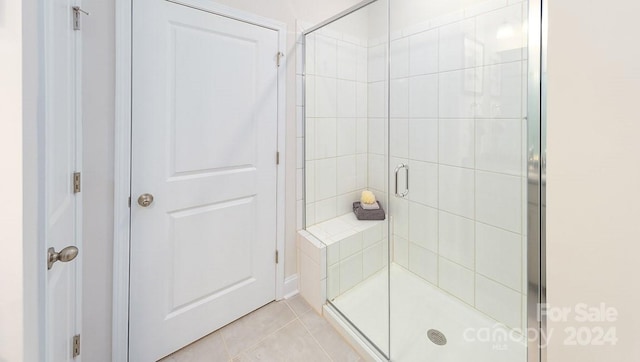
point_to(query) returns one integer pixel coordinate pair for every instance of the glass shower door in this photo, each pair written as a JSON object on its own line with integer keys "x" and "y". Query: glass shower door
{"x": 346, "y": 125}
{"x": 457, "y": 176}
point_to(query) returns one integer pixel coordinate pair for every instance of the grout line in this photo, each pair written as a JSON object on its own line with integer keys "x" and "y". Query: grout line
{"x": 315, "y": 339}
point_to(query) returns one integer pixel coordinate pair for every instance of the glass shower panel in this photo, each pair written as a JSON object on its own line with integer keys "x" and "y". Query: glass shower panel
{"x": 457, "y": 145}
{"x": 346, "y": 153}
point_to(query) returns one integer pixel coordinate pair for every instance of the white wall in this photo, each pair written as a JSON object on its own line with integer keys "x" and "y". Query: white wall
{"x": 11, "y": 299}
{"x": 19, "y": 106}
{"x": 98, "y": 117}
{"x": 593, "y": 235}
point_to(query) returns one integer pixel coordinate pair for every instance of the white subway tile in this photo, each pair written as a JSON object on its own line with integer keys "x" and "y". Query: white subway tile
{"x": 377, "y": 172}
{"x": 346, "y": 98}
{"x": 423, "y": 139}
{"x": 456, "y": 94}
{"x": 347, "y": 60}
{"x": 326, "y": 99}
{"x": 362, "y": 135}
{"x": 350, "y": 246}
{"x": 372, "y": 260}
{"x": 400, "y": 209}
{"x": 499, "y": 200}
{"x": 377, "y": 63}
{"x": 499, "y": 302}
{"x": 361, "y": 99}
{"x": 325, "y": 178}
{"x": 377, "y": 139}
{"x": 456, "y": 143}
{"x": 501, "y": 34}
{"x": 326, "y": 56}
{"x": 325, "y": 140}
{"x": 423, "y": 53}
{"x": 372, "y": 235}
{"x": 361, "y": 171}
{"x": 423, "y": 96}
{"x": 325, "y": 210}
{"x": 310, "y": 179}
{"x": 423, "y": 183}
{"x": 456, "y": 190}
{"x": 346, "y": 174}
{"x": 399, "y": 100}
{"x": 501, "y": 91}
{"x": 456, "y": 46}
{"x": 456, "y": 280}
{"x": 362, "y": 64}
{"x": 333, "y": 253}
{"x": 499, "y": 255}
{"x": 344, "y": 202}
{"x": 399, "y": 132}
{"x": 350, "y": 272}
{"x": 423, "y": 262}
{"x": 376, "y": 99}
{"x": 499, "y": 145}
{"x": 456, "y": 239}
{"x": 346, "y": 136}
{"x": 310, "y": 96}
{"x": 423, "y": 226}
{"x": 401, "y": 251}
{"x": 399, "y": 66}
{"x": 310, "y": 214}
{"x": 333, "y": 281}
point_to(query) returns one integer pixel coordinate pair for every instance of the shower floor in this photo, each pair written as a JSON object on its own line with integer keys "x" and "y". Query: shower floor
{"x": 418, "y": 306}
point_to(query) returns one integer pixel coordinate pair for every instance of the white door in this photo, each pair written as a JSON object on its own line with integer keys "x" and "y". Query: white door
{"x": 61, "y": 161}
{"x": 204, "y": 142}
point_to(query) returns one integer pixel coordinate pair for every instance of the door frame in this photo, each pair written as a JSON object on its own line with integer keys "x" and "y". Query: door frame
{"x": 122, "y": 159}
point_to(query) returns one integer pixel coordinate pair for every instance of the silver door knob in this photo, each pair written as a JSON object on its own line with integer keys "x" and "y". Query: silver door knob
{"x": 145, "y": 200}
{"x": 65, "y": 255}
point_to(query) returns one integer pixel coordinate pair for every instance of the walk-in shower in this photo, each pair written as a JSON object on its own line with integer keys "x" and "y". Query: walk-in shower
{"x": 434, "y": 106}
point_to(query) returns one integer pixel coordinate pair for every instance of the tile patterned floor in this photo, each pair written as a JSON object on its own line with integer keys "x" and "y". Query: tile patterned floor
{"x": 287, "y": 330}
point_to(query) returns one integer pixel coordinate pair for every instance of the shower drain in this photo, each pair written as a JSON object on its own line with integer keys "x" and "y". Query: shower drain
{"x": 436, "y": 337}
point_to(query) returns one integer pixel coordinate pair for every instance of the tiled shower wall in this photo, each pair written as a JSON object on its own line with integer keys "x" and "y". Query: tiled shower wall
{"x": 336, "y": 124}
{"x": 458, "y": 102}
{"x": 457, "y": 107}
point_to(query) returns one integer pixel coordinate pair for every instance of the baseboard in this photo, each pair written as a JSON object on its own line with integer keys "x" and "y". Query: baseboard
{"x": 290, "y": 286}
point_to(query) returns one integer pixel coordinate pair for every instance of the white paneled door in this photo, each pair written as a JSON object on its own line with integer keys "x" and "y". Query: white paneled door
{"x": 61, "y": 161}
{"x": 203, "y": 175}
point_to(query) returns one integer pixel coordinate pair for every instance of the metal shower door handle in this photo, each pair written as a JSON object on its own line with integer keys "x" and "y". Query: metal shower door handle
{"x": 406, "y": 188}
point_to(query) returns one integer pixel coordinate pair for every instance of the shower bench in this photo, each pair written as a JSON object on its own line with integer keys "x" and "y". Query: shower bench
{"x": 337, "y": 254}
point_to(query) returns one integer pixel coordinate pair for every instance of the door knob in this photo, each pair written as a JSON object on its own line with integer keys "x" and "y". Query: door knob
{"x": 145, "y": 200}
{"x": 65, "y": 255}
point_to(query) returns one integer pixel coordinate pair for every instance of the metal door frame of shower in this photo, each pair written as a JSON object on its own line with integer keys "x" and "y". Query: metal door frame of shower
{"x": 536, "y": 171}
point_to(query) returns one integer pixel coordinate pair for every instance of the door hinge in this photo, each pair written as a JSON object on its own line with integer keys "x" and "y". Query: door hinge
{"x": 76, "y": 16}
{"x": 279, "y": 56}
{"x": 277, "y": 158}
{"x": 76, "y": 182}
{"x": 277, "y": 259}
{"x": 129, "y": 202}
{"x": 76, "y": 345}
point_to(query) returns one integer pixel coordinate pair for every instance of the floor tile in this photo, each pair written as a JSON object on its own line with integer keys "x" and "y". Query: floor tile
{"x": 298, "y": 305}
{"x": 250, "y": 329}
{"x": 208, "y": 349}
{"x": 291, "y": 343}
{"x": 329, "y": 339}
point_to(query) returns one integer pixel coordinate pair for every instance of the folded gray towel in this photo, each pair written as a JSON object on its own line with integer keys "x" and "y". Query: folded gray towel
{"x": 363, "y": 214}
